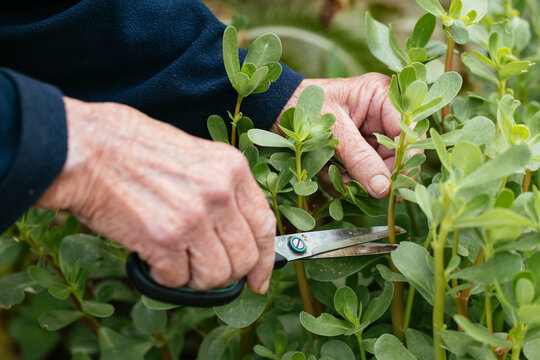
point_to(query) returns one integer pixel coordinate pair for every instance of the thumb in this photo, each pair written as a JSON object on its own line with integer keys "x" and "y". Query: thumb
{"x": 363, "y": 163}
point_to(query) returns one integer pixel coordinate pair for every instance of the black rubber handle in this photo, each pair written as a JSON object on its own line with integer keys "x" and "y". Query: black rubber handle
{"x": 138, "y": 272}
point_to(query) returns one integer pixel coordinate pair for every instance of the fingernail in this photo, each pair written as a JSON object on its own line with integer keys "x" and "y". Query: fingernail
{"x": 379, "y": 184}
{"x": 264, "y": 287}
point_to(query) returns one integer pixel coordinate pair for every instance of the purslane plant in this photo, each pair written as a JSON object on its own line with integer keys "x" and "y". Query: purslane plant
{"x": 472, "y": 211}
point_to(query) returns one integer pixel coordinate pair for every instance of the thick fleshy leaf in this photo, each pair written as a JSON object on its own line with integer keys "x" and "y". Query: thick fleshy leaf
{"x": 497, "y": 217}
{"x": 416, "y": 264}
{"x": 217, "y": 128}
{"x": 480, "y": 333}
{"x": 315, "y": 160}
{"x": 467, "y": 157}
{"x": 388, "y": 347}
{"x": 338, "y": 268}
{"x": 422, "y": 31}
{"x": 502, "y": 267}
{"x": 244, "y": 310}
{"x": 336, "y": 210}
{"x": 215, "y": 343}
{"x": 263, "y": 50}
{"x": 98, "y": 309}
{"x": 511, "y": 161}
{"x": 230, "y": 53}
{"x": 57, "y": 319}
{"x": 478, "y": 69}
{"x": 346, "y": 304}
{"x": 432, "y": 7}
{"x": 267, "y": 138}
{"x": 447, "y": 86}
{"x": 378, "y": 306}
{"x": 13, "y": 288}
{"x": 336, "y": 350}
{"x": 479, "y": 131}
{"x": 419, "y": 344}
{"x": 459, "y": 32}
{"x": 298, "y": 217}
{"x": 325, "y": 325}
{"x": 305, "y": 187}
{"x": 377, "y": 36}
{"x": 311, "y": 100}
{"x": 337, "y": 180}
{"x": 148, "y": 321}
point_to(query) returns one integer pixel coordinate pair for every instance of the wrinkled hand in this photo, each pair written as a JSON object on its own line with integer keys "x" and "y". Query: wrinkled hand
{"x": 189, "y": 207}
{"x": 362, "y": 108}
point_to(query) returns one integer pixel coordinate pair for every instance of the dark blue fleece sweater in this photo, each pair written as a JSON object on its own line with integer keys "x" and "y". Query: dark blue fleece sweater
{"x": 161, "y": 57}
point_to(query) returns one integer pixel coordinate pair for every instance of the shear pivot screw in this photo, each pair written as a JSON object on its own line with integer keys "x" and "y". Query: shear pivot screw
{"x": 297, "y": 244}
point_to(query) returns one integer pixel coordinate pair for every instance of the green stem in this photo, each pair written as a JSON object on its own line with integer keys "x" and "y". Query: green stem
{"x": 448, "y": 64}
{"x": 502, "y": 88}
{"x": 412, "y": 289}
{"x": 440, "y": 290}
{"x": 164, "y": 349}
{"x": 325, "y": 206}
{"x": 408, "y": 307}
{"x": 455, "y": 252}
{"x": 359, "y": 338}
{"x": 247, "y": 338}
{"x": 397, "y": 305}
{"x": 489, "y": 318}
{"x": 527, "y": 181}
{"x": 517, "y": 340}
{"x": 278, "y": 215}
{"x": 236, "y": 117}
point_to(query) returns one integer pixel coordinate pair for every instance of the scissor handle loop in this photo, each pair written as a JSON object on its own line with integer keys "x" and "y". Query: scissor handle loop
{"x": 138, "y": 272}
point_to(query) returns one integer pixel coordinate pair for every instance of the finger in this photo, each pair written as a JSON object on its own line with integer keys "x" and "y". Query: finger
{"x": 361, "y": 160}
{"x": 238, "y": 240}
{"x": 255, "y": 209}
{"x": 208, "y": 261}
{"x": 170, "y": 271}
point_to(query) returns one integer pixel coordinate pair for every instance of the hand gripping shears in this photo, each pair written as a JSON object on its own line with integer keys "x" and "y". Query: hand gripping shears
{"x": 302, "y": 246}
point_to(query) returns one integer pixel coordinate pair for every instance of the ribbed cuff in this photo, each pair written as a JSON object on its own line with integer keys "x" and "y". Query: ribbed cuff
{"x": 42, "y": 147}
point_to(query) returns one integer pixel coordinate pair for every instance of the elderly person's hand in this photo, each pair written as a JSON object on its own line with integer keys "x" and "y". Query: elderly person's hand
{"x": 189, "y": 207}
{"x": 362, "y": 108}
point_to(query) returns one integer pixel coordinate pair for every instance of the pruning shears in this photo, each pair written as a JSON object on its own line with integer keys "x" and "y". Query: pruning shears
{"x": 326, "y": 244}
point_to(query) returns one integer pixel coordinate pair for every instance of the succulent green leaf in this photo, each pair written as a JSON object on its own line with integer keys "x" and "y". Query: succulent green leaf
{"x": 298, "y": 217}
{"x": 244, "y": 310}
{"x": 432, "y": 7}
{"x": 479, "y": 131}
{"x": 455, "y": 9}
{"x": 497, "y": 217}
{"x": 336, "y": 350}
{"x": 446, "y": 86}
{"x": 217, "y": 128}
{"x": 336, "y": 210}
{"x": 337, "y": 180}
{"x": 53, "y": 320}
{"x": 406, "y": 77}
{"x": 415, "y": 263}
{"x": 394, "y": 94}
{"x": 97, "y": 309}
{"x": 441, "y": 149}
{"x": 459, "y": 32}
{"x": 532, "y": 349}
{"x": 256, "y": 79}
{"x": 403, "y": 181}
{"x": 325, "y": 325}
{"x": 479, "y": 6}
{"x": 388, "y": 347}
{"x": 311, "y": 100}
{"x": 378, "y": 306}
{"x": 511, "y": 161}
{"x": 148, "y": 321}
{"x": 389, "y": 275}
{"x": 241, "y": 82}
{"x": 395, "y": 47}
{"x": 480, "y": 333}
{"x": 414, "y": 95}
{"x": 418, "y": 54}
{"x": 263, "y": 50}
{"x": 505, "y": 199}
{"x": 514, "y": 69}
{"x": 523, "y": 286}
{"x": 414, "y": 161}
{"x": 502, "y": 266}
{"x": 305, "y": 187}
{"x": 422, "y": 31}
{"x": 385, "y": 141}
{"x": 346, "y": 304}
{"x": 467, "y": 157}
{"x": 267, "y": 138}
{"x": 315, "y": 160}
{"x": 377, "y": 36}
{"x": 230, "y": 53}
{"x": 157, "y": 305}
{"x": 215, "y": 343}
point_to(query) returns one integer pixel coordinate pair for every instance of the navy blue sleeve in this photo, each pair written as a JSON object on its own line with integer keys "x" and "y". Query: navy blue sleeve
{"x": 161, "y": 57}
{"x": 33, "y": 142}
